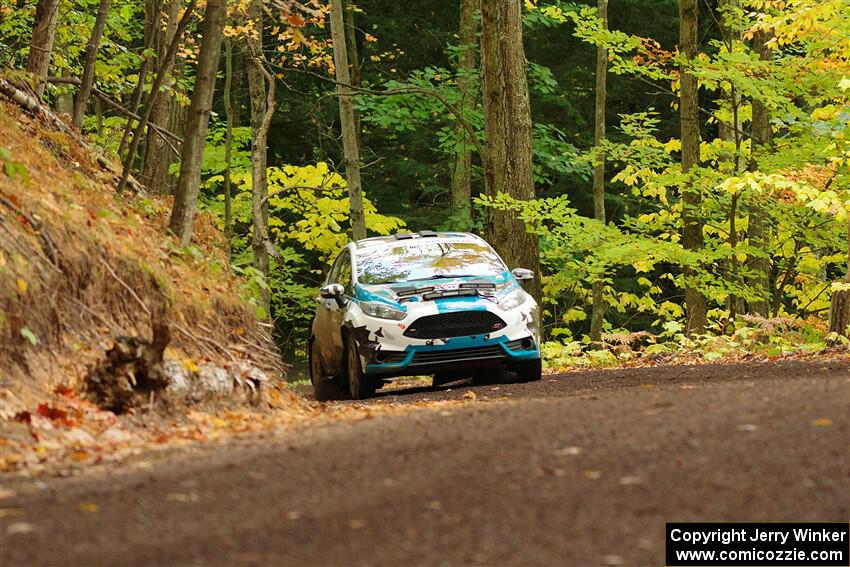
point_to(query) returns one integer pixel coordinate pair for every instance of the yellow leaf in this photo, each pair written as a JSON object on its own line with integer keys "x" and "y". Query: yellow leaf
{"x": 79, "y": 456}
{"x": 22, "y": 285}
{"x": 190, "y": 365}
{"x": 822, "y": 422}
{"x": 90, "y": 507}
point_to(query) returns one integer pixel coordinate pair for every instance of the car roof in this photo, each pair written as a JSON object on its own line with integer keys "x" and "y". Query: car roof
{"x": 402, "y": 237}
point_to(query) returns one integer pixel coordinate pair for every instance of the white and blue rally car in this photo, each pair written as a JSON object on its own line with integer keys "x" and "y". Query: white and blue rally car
{"x": 428, "y": 303}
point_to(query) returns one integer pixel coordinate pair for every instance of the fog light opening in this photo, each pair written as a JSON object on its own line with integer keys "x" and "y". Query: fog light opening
{"x": 379, "y": 357}
{"x": 527, "y": 344}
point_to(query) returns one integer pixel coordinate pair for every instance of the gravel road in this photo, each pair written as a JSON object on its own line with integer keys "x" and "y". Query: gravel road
{"x": 578, "y": 469}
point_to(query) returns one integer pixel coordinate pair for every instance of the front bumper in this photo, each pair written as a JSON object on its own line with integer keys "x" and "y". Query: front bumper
{"x": 457, "y": 353}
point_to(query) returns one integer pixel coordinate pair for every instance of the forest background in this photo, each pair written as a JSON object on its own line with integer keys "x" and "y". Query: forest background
{"x": 689, "y": 159}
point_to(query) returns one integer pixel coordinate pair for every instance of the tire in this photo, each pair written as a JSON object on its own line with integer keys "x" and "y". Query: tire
{"x": 359, "y": 385}
{"x": 530, "y": 371}
{"x": 323, "y": 388}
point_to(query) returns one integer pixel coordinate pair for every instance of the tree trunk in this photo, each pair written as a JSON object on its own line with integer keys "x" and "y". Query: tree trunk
{"x": 238, "y": 89}
{"x": 151, "y": 32}
{"x": 228, "y": 144}
{"x": 353, "y": 62}
{"x": 164, "y": 70}
{"x": 839, "y": 306}
{"x": 466, "y": 65}
{"x": 262, "y": 110}
{"x": 87, "y": 80}
{"x": 158, "y": 156}
{"x": 507, "y": 127}
{"x": 598, "y": 313}
{"x": 188, "y": 184}
{"x": 65, "y": 100}
{"x": 347, "y": 123}
{"x": 41, "y": 46}
{"x": 761, "y": 142}
{"x": 731, "y": 132}
{"x": 692, "y": 238}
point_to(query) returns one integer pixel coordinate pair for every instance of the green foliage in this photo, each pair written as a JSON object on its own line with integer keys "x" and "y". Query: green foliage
{"x": 13, "y": 169}
{"x": 308, "y": 221}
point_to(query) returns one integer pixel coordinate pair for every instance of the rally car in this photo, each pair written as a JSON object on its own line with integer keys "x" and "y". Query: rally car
{"x": 429, "y": 303}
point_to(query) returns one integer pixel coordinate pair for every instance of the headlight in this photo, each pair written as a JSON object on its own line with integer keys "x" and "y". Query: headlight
{"x": 513, "y": 299}
{"x": 382, "y": 310}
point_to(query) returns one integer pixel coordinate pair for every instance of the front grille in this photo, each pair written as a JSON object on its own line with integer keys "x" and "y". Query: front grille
{"x": 458, "y": 354}
{"x": 456, "y": 324}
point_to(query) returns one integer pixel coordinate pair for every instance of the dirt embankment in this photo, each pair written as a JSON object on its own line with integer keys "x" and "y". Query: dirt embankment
{"x": 99, "y": 309}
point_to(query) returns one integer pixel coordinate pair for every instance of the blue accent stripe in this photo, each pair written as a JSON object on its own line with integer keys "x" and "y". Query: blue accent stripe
{"x": 451, "y": 344}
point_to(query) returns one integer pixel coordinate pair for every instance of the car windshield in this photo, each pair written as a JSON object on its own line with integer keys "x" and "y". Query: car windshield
{"x": 424, "y": 259}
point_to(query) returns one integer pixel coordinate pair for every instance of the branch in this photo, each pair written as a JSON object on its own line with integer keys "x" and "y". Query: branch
{"x": 111, "y": 102}
{"x": 470, "y": 129}
{"x": 34, "y": 106}
{"x": 125, "y": 286}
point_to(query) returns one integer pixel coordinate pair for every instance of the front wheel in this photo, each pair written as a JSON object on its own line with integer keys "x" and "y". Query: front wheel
{"x": 530, "y": 371}
{"x": 359, "y": 385}
{"x": 324, "y": 388}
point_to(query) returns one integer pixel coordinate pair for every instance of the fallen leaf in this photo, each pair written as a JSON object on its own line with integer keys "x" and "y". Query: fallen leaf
{"x": 551, "y": 471}
{"x": 591, "y": 474}
{"x": 822, "y": 422}
{"x": 179, "y": 497}
{"x": 356, "y": 524}
{"x": 20, "y": 528}
{"x": 22, "y": 285}
{"x": 79, "y": 456}
{"x": 568, "y": 451}
{"x": 89, "y": 507}
{"x": 52, "y": 413}
{"x": 469, "y": 395}
{"x": 631, "y": 480}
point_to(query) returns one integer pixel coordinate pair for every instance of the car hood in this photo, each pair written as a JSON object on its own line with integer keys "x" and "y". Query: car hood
{"x": 481, "y": 289}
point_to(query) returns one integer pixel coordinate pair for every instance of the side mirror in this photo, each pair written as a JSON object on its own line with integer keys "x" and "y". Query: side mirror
{"x": 333, "y": 291}
{"x": 522, "y": 274}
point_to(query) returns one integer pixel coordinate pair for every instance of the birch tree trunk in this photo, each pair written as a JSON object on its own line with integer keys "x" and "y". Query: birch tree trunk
{"x": 87, "y": 80}
{"x": 507, "y": 127}
{"x": 41, "y": 46}
{"x": 347, "y": 123}
{"x": 692, "y": 238}
{"x": 188, "y": 184}
{"x": 598, "y": 310}
{"x": 466, "y": 64}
